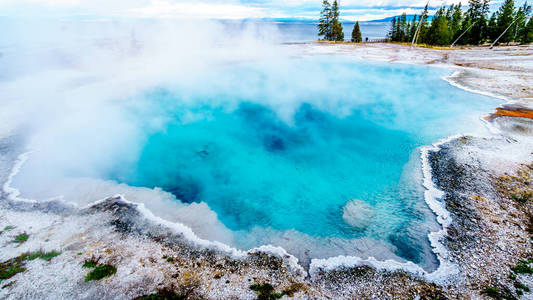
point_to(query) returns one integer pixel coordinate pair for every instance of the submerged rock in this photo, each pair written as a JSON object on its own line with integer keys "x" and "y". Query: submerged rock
{"x": 358, "y": 213}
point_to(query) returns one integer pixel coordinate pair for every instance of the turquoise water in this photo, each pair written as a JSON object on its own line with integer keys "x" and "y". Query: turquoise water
{"x": 253, "y": 169}
{"x": 285, "y": 147}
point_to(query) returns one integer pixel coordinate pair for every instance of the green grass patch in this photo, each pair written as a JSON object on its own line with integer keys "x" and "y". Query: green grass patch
{"x": 519, "y": 198}
{"x": 512, "y": 276}
{"x": 21, "y": 238}
{"x": 162, "y": 295}
{"x": 49, "y": 255}
{"x": 42, "y": 255}
{"x": 11, "y": 267}
{"x": 523, "y": 267}
{"x": 10, "y": 271}
{"x": 495, "y": 293}
{"x": 8, "y": 228}
{"x": 101, "y": 271}
{"x": 39, "y": 254}
{"x": 32, "y": 255}
{"x": 90, "y": 263}
{"x": 521, "y": 286}
{"x": 265, "y": 291}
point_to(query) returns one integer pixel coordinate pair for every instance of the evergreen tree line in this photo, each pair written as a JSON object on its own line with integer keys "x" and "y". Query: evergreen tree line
{"x": 329, "y": 25}
{"x": 472, "y": 27}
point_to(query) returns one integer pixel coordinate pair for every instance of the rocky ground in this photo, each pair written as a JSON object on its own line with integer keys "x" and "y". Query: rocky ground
{"x": 116, "y": 249}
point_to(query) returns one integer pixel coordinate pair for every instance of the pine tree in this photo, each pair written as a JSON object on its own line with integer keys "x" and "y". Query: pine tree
{"x": 478, "y": 31}
{"x": 337, "y": 33}
{"x": 506, "y": 16}
{"x": 492, "y": 27}
{"x": 324, "y": 25}
{"x": 456, "y": 20}
{"x": 521, "y": 21}
{"x": 527, "y": 35}
{"x": 474, "y": 23}
{"x": 439, "y": 33}
{"x": 422, "y": 34}
{"x": 412, "y": 28}
{"x": 399, "y": 32}
{"x": 356, "y": 34}
{"x": 403, "y": 28}
{"x": 393, "y": 31}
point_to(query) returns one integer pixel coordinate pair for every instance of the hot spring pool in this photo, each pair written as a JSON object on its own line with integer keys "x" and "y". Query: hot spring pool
{"x": 319, "y": 155}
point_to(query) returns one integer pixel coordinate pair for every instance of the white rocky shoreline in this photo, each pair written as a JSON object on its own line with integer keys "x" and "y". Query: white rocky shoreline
{"x": 489, "y": 234}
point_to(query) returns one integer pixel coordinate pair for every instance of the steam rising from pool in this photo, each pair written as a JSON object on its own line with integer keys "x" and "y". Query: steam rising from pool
{"x": 242, "y": 139}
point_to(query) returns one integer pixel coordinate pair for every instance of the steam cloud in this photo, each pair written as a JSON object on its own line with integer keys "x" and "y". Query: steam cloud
{"x": 70, "y": 88}
{"x": 78, "y": 91}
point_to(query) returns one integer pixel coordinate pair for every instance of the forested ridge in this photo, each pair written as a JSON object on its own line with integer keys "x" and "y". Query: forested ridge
{"x": 472, "y": 26}
{"x": 454, "y": 24}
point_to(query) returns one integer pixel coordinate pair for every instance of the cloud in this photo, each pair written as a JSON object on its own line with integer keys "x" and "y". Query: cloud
{"x": 361, "y": 10}
{"x": 215, "y": 9}
{"x": 42, "y": 2}
{"x": 165, "y": 8}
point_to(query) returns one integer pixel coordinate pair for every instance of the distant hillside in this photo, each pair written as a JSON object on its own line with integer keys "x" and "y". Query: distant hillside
{"x": 282, "y": 20}
{"x": 315, "y": 21}
{"x": 387, "y": 20}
